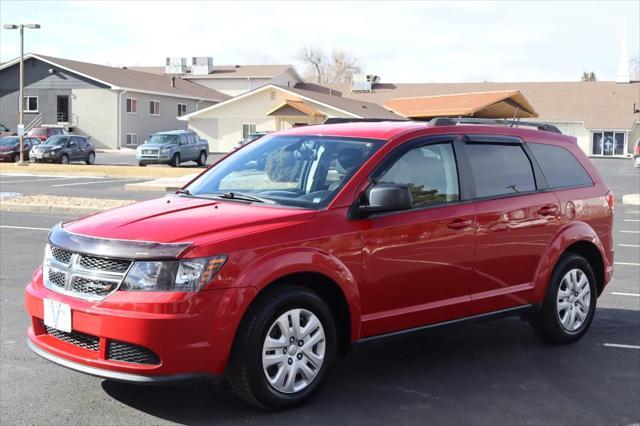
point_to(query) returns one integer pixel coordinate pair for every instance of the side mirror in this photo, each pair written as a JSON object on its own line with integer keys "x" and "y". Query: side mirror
{"x": 386, "y": 197}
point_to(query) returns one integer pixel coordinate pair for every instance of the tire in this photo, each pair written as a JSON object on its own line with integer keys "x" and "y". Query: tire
{"x": 16, "y": 158}
{"x": 248, "y": 371}
{"x": 202, "y": 159}
{"x": 564, "y": 289}
{"x": 175, "y": 160}
{"x": 141, "y": 164}
{"x": 64, "y": 159}
{"x": 91, "y": 158}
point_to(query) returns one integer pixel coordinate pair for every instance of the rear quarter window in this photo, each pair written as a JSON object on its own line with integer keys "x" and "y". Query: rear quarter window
{"x": 559, "y": 166}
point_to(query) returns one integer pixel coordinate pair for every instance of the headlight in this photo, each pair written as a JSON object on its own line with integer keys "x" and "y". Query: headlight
{"x": 182, "y": 275}
{"x": 165, "y": 149}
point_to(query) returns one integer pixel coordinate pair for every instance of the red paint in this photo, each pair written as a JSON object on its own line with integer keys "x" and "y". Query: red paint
{"x": 395, "y": 271}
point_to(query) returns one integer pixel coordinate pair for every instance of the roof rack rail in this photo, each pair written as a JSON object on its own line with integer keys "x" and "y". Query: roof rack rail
{"x": 448, "y": 121}
{"x": 338, "y": 120}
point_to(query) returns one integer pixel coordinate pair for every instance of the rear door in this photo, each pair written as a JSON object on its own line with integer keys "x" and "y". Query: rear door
{"x": 517, "y": 216}
{"x": 185, "y": 150}
{"x": 417, "y": 263}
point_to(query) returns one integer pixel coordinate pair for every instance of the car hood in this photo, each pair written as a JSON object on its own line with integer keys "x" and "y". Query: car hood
{"x": 176, "y": 218}
{"x": 154, "y": 145}
{"x": 48, "y": 147}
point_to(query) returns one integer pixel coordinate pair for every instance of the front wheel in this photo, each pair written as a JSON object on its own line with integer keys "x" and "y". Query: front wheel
{"x": 64, "y": 159}
{"x": 175, "y": 160}
{"x": 570, "y": 302}
{"x": 285, "y": 345}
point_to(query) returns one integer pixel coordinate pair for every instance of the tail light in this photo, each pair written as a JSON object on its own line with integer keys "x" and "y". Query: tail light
{"x": 610, "y": 199}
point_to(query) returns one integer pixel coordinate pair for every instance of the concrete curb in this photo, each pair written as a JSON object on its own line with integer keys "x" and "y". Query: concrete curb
{"x": 146, "y": 186}
{"x": 47, "y": 209}
{"x": 632, "y": 199}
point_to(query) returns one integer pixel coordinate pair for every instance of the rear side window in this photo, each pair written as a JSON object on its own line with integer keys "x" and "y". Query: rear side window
{"x": 559, "y": 166}
{"x": 500, "y": 169}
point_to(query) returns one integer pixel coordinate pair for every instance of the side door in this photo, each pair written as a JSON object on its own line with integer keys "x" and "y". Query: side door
{"x": 417, "y": 264}
{"x": 76, "y": 148}
{"x": 184, "y": 147}
{"x": 517, "y": 215}
{"x": 194, "y": 151}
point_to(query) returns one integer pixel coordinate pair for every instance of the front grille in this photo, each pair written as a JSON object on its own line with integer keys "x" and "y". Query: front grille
{"x": 149, "y": 152}
{"x": 126, "y": 352}
{"x": 57, "y": 278}
{"x": 104, "y": 264}
{"x": 61, "y": 255}
{"x": 95, "y": 287}
{"x": 83, "y": 276}
{"x": 75, "y": 338}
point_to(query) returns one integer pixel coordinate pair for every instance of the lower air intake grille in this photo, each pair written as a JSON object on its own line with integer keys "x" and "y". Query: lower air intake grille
{"x": 121, "y": 351}
{"x": 75, "y": 338}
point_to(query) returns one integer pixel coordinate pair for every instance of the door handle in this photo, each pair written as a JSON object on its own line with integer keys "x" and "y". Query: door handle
{"x": 460, "y": 224}
{"x": 548, "y": 210}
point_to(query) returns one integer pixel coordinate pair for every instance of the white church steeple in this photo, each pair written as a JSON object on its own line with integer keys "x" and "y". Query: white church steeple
{"x": 623, "y": 64}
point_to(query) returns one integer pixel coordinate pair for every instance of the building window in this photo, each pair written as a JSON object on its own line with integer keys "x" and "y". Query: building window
{"x": 30, "y": 104}
{"x": 131, "y": 139}
{"x": 608, "y": 143}
{"x": 132, "y": 105}
{"x": 182, "y": 109}
{"x": 247, "y": 129}
{"x": 154, "y": 108}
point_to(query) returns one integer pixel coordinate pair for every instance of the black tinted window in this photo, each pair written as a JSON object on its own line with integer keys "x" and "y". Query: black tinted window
{"x": 559, "y": 166}
{"x": 500, "y": 169}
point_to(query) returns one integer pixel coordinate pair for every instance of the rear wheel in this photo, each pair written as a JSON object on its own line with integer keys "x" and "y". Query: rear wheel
{"x": 64, "y": 159}
{"x": 285, "y": 345}
{"x": 91, "y": 158}
{"x": 175, "y": 160}
{"x": 141, "y": 164}
{"x": 202, "y": 159}
{"x": 570, "y": 302}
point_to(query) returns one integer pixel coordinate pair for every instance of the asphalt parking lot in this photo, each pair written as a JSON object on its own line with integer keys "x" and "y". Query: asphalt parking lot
{"x": 127, "y": 158}
{"x": 490, "y": 373}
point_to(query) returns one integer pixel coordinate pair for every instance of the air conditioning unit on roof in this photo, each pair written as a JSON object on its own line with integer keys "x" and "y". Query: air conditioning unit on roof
{"x": 175, "y": 65}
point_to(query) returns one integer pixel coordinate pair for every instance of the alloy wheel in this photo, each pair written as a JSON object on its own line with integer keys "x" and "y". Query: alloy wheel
{"x": 293, "y": 351}
{"x": 573, "y": 300}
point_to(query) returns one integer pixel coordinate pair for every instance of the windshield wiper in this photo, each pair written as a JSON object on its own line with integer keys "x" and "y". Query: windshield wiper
{"x": 245, "y": 197}
{"x": 183, "y": 192}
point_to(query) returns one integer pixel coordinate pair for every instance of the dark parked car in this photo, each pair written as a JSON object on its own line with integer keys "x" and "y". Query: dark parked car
{"x": 64, "y": 149}
{"x": 44, "y": 133}
{"x": 4, "y": 131}
{"x": 10, "y": 147}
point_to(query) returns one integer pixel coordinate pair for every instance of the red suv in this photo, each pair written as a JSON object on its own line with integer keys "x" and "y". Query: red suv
{"x": 279, "y": 257}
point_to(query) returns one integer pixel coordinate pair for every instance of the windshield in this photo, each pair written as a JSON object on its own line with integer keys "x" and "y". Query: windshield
{"x": 162, "y": 139}
{"x": 9, "y": 141}
{"x": 298, "y": 171}
{"x": 37, "y": 132}
{"x": 57, "y": 140}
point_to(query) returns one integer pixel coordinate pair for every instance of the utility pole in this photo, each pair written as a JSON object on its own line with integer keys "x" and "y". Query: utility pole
{"x": 21, "y": 99}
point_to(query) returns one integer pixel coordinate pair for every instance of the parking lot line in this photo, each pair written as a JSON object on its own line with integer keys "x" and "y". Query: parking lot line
{"x": 618, "y": 345}
{"x": 25, "y": 227}
{"x": 632, "y": 220}
{"x": 630, "y": 232}
{"x": 627, "y": 263}
{"x": 36, "y": 180}
{"x": 629, "y": 245}
{"x": 88, "y": 183}
{"x": 626, "y": 294}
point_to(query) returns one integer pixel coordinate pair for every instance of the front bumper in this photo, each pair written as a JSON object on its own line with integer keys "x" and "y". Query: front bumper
{"x": 190, "y": 333}
{"x": 44, "y": 156}
{"x": 159, "y": 158}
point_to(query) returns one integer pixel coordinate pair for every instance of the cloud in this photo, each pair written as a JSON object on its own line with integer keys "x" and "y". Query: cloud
{"x": 401, "y": 41}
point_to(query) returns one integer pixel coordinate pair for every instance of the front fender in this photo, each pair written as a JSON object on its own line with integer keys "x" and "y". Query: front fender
{"x": 275, "y": 265}
{"x": 568, "y": 234}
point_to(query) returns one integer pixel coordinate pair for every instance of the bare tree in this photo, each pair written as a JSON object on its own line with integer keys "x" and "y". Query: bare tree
{"x": 589, "y": 76}
{"x": 321, "y": 68}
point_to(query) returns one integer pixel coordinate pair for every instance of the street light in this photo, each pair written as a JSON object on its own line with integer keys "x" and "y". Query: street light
{"x": 21, "y": 101}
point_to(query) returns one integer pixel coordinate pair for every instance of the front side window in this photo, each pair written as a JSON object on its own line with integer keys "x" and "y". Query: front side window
{"x": 30, "y": 104}
{"x": 296, "y": 171}
{"x": 559, "y": 166}
{"x": 500, "y": 169}
{"x": 132, "y": 105}
{"x": 429, "y": 171}
{"x": 154, "y": 108}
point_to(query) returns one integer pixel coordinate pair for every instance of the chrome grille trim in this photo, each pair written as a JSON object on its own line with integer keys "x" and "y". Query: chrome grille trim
{"x": 80, "y": 281}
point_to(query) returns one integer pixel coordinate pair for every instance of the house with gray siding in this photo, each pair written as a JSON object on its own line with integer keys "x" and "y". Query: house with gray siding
{"x": 117, "y": 107}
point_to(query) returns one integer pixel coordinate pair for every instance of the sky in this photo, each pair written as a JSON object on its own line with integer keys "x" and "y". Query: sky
{"x": 402, "y": 42}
